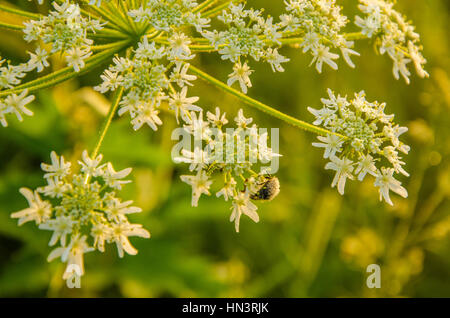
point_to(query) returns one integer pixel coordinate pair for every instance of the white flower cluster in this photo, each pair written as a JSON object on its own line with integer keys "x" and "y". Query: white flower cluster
{"x": 82, "y": 210}
{"x": 15, "y": 104}
{"x": 320, "y": 23}
{"x": 146, "y": 84}
{"x": 12, "y": 75}
{"x": 367, "y": 142}
{"x": 66, "y": 30}
{"x": 394, "y": 36}
{"x": 169, "y": 15}
{"x": 232, "y": 155}
{"x": 248, "y": 34}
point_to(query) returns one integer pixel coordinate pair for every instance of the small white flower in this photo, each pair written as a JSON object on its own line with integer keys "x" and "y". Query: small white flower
{"x": 61, "y": 227}
{"x": 217, "y": 119}
{"x": 331, "y": 143}
{"x": 179, "y": 44}
{"x": 38, "y": 210}
{"x": 111, "y": 81}
{"x": 55, "y": 188}
{"x": 322, "y": 54}
{"x": 182, "y": 105}
{"x": 275, "y": 59}
{"x": 117, "y": 211}
{"x": 417, "y": 59}
{"x": 146, "y": 114}
{"x": 76, "y": 56}
{"x": 38, "y": 60}
{"x": 200, "y": 185}
{"x": 72, "y": 254}
{"x": 91, "y": 166}
{"x": 243, "y": 205}
{"x": 241, "y": 74}
{"x": 101, "y": 233}
{"x": 112, "y": 178}
{"x": 58, "y": 168}
{"x": 120, "y": 233}
{"x": 179, "y": 74}
{"x": 385, "y": 181}
{"x": 17, "y": 104}
{"x": 198, "y": 158}
{"x": 198, "y": 127}
{"x": 324, "y": 115}
{"x": 346, "y": 52}
{"x": 149, "y": 50}
{"x": 392, "y": 155}
{"x": 365, "y": 165}
{"x": 343, "y": 168}
{"x": 228, "y": 190}
{"x": 241, "y": 121}
{"x": 400, "y": 67}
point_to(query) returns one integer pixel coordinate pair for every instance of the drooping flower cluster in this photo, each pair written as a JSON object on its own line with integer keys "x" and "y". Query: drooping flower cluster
{"x": 320, "y": 23}
{"x": 366, "y": 142}
{"x": 230, "y": 153}
{"x": 393, "y": 35}
{"x": 65, "y": 29}
{"x": 82, "y": 210}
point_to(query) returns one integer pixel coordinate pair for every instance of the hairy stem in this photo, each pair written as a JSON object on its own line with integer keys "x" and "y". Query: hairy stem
{"x": 263, "y": 107}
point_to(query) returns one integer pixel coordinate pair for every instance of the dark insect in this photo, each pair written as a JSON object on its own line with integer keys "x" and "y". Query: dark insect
{"x": 269, "y": 189}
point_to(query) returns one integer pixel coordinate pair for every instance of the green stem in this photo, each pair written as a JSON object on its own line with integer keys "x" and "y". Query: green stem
{"x": 126, "y": 18}
{"x": 12, "y": 27}
{"x": 203, "y": 6}
{"x": 103, "y": 47}
{"x": 355, "y": 36}
{"x": 107, "y": 123}
{"x": 263, "y": 107}
{"x": 291, "y": 40}
{"x": 217, "y": 9}
{"x": 108, "y": 35}
{"x": 19, "y": 12}
{"x": 121, "y": 21}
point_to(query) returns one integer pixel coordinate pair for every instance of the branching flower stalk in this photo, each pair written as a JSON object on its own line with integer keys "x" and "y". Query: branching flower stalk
{"x": 150, "y": 48}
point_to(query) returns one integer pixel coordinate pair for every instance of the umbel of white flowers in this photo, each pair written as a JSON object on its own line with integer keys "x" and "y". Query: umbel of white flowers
{"x": 82, "y": 210}
{"x": 393, "y": 35}
{"x": 369, "y": 144}
{"x": 237, "y": 171}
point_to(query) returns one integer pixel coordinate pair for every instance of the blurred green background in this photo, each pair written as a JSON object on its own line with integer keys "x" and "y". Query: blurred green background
{"x": 310, "y": 242}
